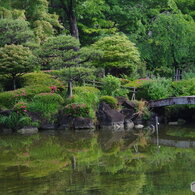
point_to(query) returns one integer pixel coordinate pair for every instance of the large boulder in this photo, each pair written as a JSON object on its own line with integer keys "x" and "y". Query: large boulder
{"x": 47, "y": 126}
{"x": 65, "y": 122}
{"x": 109, "y": 118}
{"x": 80, "y": 123}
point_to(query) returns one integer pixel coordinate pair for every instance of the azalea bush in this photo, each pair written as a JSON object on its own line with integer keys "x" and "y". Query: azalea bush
{"x": 77, "y": 110}
{"x": 9, "y": 98}
{"x": 21, "y": 107}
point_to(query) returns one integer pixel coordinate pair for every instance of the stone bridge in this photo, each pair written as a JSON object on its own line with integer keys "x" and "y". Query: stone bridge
{"x": 172, "y": 101}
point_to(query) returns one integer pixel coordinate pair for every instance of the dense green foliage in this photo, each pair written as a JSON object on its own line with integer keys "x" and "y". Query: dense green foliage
{"x": 16, "y": 60}
{"x": 109, "y": 100}
{"x": 39, "y": 78}
{"x": 115, "y": 43}
{"x": 59, "y": 52}
{"x": 15, "y": 32}
{"x": 118, "y": 53}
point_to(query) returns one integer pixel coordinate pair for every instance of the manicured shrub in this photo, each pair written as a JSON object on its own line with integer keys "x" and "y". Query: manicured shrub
{"x": 9, "y": 98}
{"x": 137, "y": 83}
{"x": 39, "y": 78}
{"x": 77, "y": 110}
{"x": 86, "y": 95}
{"x": 110, "y": 85}
{"x": 156, "y": 89}
{"x": 109, "y": 100}
{"x": 47, "y": 111}
{"x": 84, "y": 89}
{"x": 49, "y": 98}
{"x": 184, "y": 87}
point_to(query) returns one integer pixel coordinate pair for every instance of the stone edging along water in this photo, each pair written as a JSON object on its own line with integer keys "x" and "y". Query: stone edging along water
{"x": 175, "y": 143}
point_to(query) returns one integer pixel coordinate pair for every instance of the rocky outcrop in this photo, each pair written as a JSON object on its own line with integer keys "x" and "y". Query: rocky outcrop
{"x": 129, "y": 124}
{"x": 83, "y": 123}
{"x": 67, "y": 122}
{"x": 28, "y": 130}
{"x": 6, "y": 112}
{"x": 109, "y": 118}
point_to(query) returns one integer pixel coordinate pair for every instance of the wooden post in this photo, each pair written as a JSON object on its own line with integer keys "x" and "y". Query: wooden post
{"x": 157, "y": 133}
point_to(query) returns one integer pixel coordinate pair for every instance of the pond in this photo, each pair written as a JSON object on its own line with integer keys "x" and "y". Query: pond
{"x": 104, "y": 162}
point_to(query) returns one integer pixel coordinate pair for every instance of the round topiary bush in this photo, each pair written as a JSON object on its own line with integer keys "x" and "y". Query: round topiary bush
{"x": 109, "y": 100}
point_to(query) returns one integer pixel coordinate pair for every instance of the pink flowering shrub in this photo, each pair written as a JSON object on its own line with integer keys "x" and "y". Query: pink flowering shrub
{"x": 53, "y": 89}
{"x": 21, "y": 107}
{"x": 77, "y": 110}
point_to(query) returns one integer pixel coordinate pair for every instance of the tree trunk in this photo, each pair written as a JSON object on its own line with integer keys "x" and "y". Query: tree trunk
{"x": 73, "y": 25}
{"x": 14, "y": 82}
{"x": 69, "y": 9}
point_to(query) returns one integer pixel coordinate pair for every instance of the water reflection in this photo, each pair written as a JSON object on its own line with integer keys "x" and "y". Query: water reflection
{"x": 104, "y": 162}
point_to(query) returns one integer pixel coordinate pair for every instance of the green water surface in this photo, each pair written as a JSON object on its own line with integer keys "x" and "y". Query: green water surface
{"x": 105, "y": 163}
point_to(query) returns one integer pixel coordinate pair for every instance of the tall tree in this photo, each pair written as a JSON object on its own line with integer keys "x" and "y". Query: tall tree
{"x": 170, "y": 42}
{"x": 120, "y": 56}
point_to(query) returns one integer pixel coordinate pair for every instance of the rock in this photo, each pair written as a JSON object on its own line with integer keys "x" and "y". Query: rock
{"x": 139, "y": 126}
{"x": 28, "y": 130}
{"x": 137, "y": 120}
{"x": 7, "y": 131}
{"x": 83, "y": 123}
{"x": 109, "y": 117}
{"x": 114, "y": 127}
{"x": 129, "y": 113}
{"x": 173, "y": 123}
{"x": 47, "y": 126}
{"x": 181, "y": 121}
{"x": 129, "y": 124}
{"x": 6, "y": 112}
{"x": 128, "y": 104}
{"x": 65, "y": 122}
{"x": 121, "y": 100}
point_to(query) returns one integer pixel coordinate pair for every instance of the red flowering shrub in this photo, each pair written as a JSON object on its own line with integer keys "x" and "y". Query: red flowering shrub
{"x": 77, "y": 110}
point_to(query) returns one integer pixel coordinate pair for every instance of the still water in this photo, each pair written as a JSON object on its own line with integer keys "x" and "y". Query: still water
{"x": 105, "y": 163}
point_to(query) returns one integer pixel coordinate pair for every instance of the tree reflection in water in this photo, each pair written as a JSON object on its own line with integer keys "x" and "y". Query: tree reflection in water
{"x": 90, "y": 163}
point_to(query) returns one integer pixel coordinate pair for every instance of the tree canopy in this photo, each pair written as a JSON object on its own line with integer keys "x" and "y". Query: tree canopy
{"x": 16, "y": 60}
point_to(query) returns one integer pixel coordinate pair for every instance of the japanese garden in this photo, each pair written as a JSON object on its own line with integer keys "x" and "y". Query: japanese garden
{"x": 97, "y": 96}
